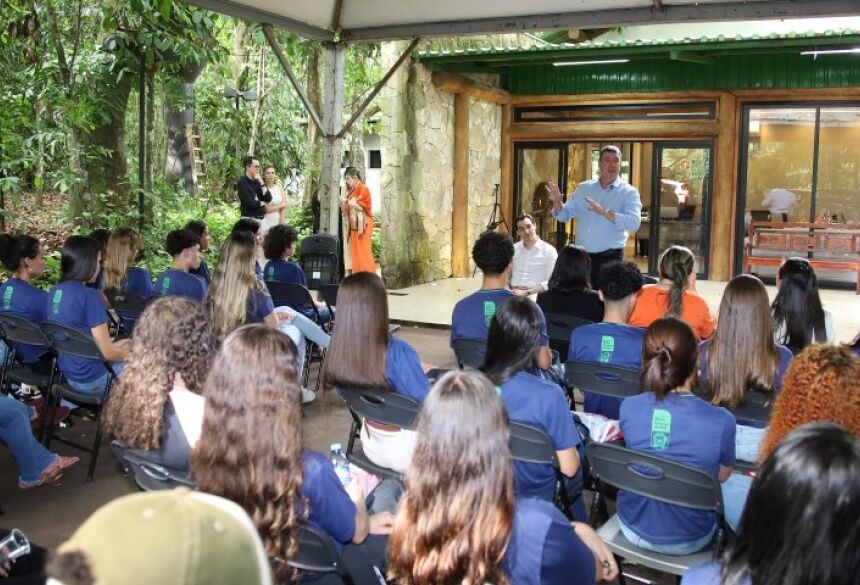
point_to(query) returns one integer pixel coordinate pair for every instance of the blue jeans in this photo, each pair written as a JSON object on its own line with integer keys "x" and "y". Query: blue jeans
{"x": 300, "y": 330}
{"x": 747, "y": 441}
{"x": 97, "y": 386}
{"x": 15, "y": 431}
{"x": 735, "y": 491}
{"x": 677, "y": 549}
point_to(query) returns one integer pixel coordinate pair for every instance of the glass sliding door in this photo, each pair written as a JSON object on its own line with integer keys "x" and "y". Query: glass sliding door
{"x": 837, "y": 194}
{"x": 536, "y": 164}
{"x": 680, "y": 201}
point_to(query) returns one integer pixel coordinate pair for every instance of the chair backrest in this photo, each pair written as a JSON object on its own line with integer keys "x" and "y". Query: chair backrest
{"x": 290, "y": 294}
{"x": 71, "y": 341}
{"x": 602, "y": 379}
{"x": 654, "y": 477}
{"x": 148, "y": 475}
{"x": 558, "y": 327}
{"x": 756, "y": 407}
{"x": 127, "y": 303}
{"x": 19, "y": 330}
{"x": 328, "y": 292}
{"x": 320, "y": 243}
{"x": 316, "y": 553}
{"x": 531, "y": 444}
{"x": 382, "y": 406}
{"x": 470, "y": 352}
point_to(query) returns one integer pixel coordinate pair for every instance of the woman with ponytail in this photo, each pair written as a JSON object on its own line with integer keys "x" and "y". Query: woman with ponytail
{"x": 668, "y": 421}
{"x": 23, "y": 256}
{"x": 675, "y": 295}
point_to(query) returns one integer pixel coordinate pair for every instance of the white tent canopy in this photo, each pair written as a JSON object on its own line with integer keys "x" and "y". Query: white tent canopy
{"x": 374, "y": 20}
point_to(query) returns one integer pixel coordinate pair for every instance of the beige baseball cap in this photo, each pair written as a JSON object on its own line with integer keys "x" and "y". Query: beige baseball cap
{"x": 171, "y": 537}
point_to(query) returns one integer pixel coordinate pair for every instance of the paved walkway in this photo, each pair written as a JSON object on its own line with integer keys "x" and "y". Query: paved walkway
{"x": 433, "y": 303}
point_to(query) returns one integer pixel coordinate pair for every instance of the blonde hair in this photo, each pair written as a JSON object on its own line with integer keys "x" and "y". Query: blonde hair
{"x": 122, "y": 248}
{"x": 232, "y": 283}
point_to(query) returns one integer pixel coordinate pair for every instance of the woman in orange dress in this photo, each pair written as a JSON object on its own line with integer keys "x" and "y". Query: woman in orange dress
{"x": 359, "y": 239}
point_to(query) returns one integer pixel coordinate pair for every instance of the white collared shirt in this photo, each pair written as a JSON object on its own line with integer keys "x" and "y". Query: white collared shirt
{"x": 533, "y": 265}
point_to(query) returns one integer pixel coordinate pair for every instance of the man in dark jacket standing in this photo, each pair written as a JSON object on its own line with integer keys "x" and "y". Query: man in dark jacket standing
{"x": 253, "y": 196}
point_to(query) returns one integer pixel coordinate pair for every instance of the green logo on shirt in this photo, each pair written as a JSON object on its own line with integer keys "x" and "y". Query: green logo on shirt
{"x": 489, "y": 311}
{"x": 165, "y": 285}
{"x": 607, "y": 348}
{"x": 7, "y": 298}
{"x": 271, "y": 272}
{"x": 661, "y": 429}
{"x": 55, "y": 302}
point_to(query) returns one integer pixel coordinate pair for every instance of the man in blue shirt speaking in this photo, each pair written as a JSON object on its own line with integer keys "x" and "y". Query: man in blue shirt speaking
{"x": 606, "y": 209}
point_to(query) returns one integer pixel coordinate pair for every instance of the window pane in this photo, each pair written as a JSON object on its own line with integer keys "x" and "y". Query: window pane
{"x": 779, "y": 164}
{"x": 838, "y": 188}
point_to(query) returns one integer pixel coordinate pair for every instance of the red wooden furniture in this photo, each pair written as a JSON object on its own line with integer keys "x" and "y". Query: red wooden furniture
{"x": 834, "y": 246}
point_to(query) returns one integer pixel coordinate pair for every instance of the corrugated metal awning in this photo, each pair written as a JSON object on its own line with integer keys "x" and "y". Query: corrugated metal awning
{"x": 370, "y": 20}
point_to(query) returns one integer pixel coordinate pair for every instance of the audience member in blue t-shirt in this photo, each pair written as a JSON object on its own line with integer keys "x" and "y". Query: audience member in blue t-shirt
{"x": 279, "y": 245}
{"x": 462, "y": 473}
{"x": 253, "y": 385}
{"x": 669, "y": 421}
{"x": 183, "y": 246}
{"x": 363, "y": 355}
{"x": 100, "y": 235}
{"x": 613, "y": 341}
{"x": 742, "y": 358}
{"x": 201, "y": 230}
{"x": 237, "y": 297}
{"x": 23, "y": 256}
{"x": 514, "y": 336}
{"x": 800, "y": 523}
{"x": 120, "y": 275}
{"x": 71, "y": 303}
{"x": 493, "y": 254}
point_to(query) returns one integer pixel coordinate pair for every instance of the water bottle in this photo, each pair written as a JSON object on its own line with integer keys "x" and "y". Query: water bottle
{"x": 340, "y": 464}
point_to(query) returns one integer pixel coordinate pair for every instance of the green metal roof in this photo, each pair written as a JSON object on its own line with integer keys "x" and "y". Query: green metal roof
{"x": 481, "y": 59}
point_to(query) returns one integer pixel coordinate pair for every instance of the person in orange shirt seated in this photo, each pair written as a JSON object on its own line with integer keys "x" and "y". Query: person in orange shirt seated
{"x": 674, "y": 295}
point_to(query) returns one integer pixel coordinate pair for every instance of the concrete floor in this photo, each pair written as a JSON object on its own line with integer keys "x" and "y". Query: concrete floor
{"x": 433, "y": 303}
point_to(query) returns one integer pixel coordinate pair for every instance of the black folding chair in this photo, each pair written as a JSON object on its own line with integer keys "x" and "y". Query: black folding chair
{"x": 328, "y": 292}
{"x": 73, "y": 342}
{"x": 128, "y": 307}
{"x": 319, "y": 256}
{"x": 149, "y": 475}
{"x": 602, "y": 379}
{"x": 756, "y": 407}
{"x": 531, "y": 444}
{"x": 14, "y": 330}
{"x": 316, "y": 554}
{"x": 295, "y": 296}
{"x": 662, "y": 480}
{"x": 382, "y": 406}
{"x": 470, "y": 352}
{"x": 559, "y": 327}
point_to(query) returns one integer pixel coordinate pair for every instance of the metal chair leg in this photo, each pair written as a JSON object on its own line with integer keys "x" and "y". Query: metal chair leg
{"x": 97, "y": 445}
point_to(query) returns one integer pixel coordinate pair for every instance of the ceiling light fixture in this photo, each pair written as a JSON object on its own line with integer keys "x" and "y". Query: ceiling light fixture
{"x": 816, "y": 53}
{"x": 603, "y": 62}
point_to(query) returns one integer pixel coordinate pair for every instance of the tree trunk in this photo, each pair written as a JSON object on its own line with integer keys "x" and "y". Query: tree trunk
{"x": 39, "y": 182}
{"x": 314, "y": 146}
{"x": 149, "y": 166}
{"x": 178, "y": 113}
{"x": 258, "y": 105}
{"x": 241, "y": 37}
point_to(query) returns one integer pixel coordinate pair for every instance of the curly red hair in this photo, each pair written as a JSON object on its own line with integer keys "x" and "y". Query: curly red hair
{"x": 821, "y": 384}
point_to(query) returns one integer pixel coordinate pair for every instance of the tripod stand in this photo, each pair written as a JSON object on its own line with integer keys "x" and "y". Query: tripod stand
{"x": 497, "y": 218}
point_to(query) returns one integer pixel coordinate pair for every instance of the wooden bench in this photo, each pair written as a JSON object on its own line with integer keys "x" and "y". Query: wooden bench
{"x": 834, "y": 246}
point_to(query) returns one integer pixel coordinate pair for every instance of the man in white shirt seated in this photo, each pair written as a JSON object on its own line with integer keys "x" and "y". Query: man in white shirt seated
{"x": 780, "y": 202}
{"x": 534, "y": 259}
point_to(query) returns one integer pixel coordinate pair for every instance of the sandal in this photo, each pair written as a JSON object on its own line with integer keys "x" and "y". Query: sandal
{"x": 51, "y": 473}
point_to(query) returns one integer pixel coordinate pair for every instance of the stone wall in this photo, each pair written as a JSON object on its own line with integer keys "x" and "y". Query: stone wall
{"x": 417, "y": 133}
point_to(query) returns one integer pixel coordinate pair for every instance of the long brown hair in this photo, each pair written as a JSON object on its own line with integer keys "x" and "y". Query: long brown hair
{"x": 676, "y": 264}
{"x": 669, "y": 355}
{"x": 742, "y": 354}
{"x": 172, "y": 337}
{"x": 356, "y": 356}
{"x": 821, "y": 384}
{"x": 250, "y": 447}
{"x": 122, "y": 248}
{"x": 232, "y": 283}
{"x": 456, "y": 516}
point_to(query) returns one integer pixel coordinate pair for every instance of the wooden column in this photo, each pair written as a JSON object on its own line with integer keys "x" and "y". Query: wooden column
{"x": 506, "y": 160}
{"x": 724, "y": 198}
{"x": 460, "y": 214}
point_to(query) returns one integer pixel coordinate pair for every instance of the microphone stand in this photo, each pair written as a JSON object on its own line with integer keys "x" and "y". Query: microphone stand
{"x": 497, "y": 218}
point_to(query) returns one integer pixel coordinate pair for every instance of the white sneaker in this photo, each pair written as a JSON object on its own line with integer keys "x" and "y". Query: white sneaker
{"x": 308, "y": 395}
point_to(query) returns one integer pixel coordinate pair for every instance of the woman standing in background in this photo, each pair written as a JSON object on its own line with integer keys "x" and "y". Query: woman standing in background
{"x": 357, "y": 211}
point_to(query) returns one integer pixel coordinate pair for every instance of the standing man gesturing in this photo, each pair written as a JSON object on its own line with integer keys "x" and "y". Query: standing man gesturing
{"x": 254, "y": 197}
{"x": 606, "y": 209}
